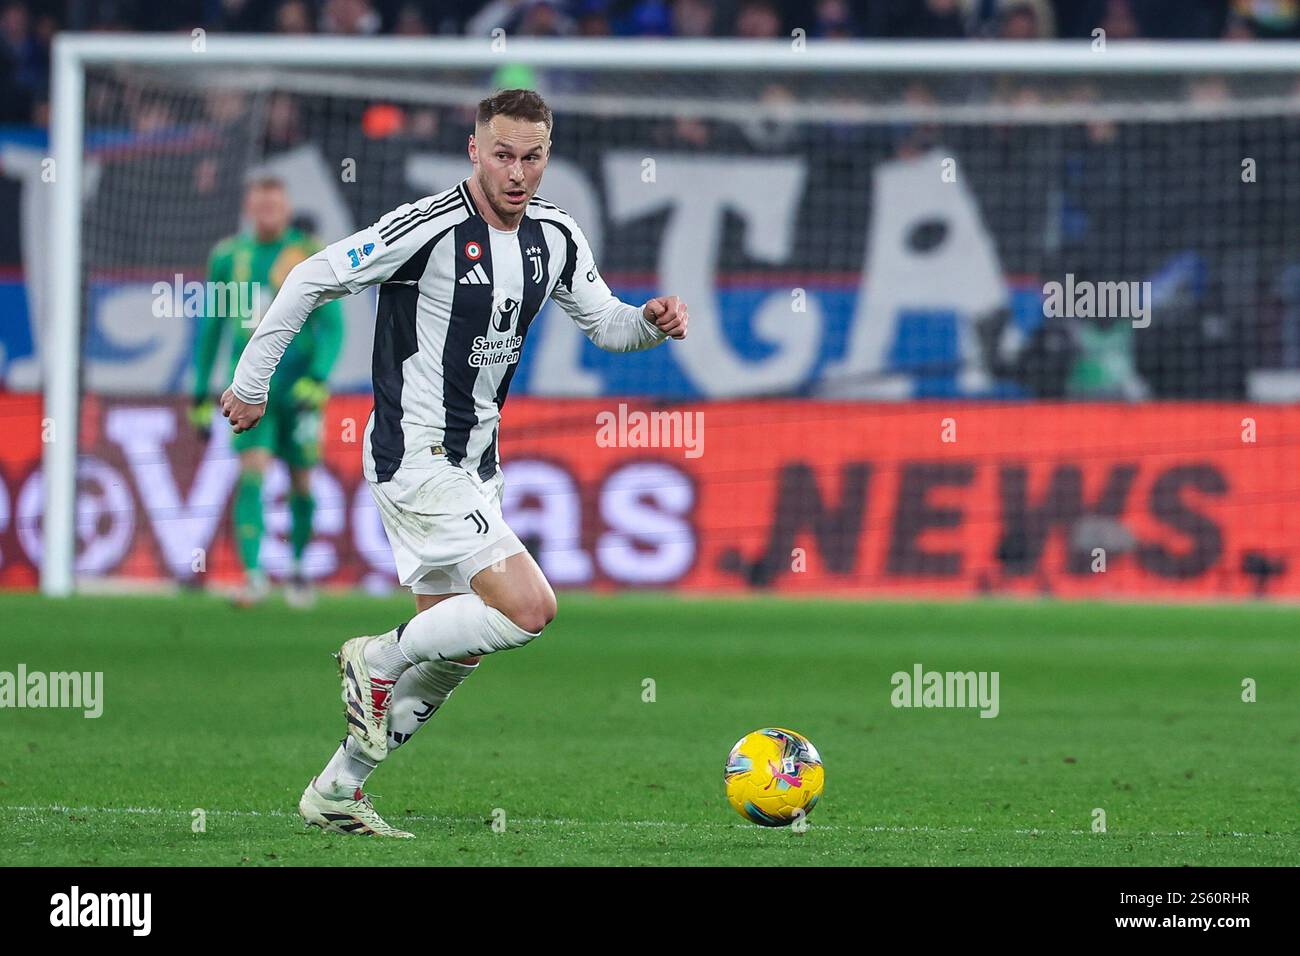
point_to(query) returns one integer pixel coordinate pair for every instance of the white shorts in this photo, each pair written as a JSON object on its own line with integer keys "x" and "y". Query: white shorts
{"x": 444, "y": 525}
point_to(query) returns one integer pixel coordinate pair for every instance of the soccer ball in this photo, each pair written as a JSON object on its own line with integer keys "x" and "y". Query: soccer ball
{"x": 772, "y": 775}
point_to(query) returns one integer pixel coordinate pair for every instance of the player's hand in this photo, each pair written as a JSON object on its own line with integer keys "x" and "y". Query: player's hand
{"x": 668, "y": 313}
{"x": 242, "y": 415}
{"x": 309, "y": 393}
{"x": 201, "y": 417}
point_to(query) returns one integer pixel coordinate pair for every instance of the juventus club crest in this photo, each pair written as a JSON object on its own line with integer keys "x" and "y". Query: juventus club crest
{"x": 534, "y": 254}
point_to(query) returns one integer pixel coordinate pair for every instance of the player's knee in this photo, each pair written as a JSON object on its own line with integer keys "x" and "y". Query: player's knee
{"x": 534, "y": 617}
{"x": 253, "y": 463}
{"x": 535, "y": 612}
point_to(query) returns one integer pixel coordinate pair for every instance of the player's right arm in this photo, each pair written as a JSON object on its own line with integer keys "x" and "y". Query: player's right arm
{"x": 353, "y": 263}
{"x": 309, "y": 284}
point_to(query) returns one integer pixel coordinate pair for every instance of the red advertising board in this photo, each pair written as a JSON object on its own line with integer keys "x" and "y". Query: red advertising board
{"x": 937, "y": 498}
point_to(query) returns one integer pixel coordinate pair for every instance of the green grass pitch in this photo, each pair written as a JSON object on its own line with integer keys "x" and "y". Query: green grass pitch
{"x": 1133, "y": 709}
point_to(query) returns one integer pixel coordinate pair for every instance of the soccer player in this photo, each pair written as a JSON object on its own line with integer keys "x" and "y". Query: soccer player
{"x": 462, "y": 275}
{"x": 262, "y": 259}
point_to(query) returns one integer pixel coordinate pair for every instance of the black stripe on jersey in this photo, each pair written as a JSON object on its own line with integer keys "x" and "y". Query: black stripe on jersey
{"x": 446, "y": 202}
{"x": 543, "y": 204}
{"x": 471, "y": 311}
{"x": 570, "y": 251}
{"x": 530, "y": 235}
{"x": 469, "y": 199}
{"x": 440, "y": 209}
{"x": 488, "y": 466}
{"x": 396, "y": 341}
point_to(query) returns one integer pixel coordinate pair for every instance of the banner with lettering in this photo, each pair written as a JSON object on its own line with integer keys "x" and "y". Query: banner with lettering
{"x": 921, "y": 498}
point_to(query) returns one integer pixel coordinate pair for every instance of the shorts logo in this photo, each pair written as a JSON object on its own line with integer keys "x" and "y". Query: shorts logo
{"x": 480, "y": 523}
{"x": 473, "y": 251}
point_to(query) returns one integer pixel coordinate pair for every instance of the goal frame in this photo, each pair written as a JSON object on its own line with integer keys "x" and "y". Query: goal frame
{"x": 59, "y": 341}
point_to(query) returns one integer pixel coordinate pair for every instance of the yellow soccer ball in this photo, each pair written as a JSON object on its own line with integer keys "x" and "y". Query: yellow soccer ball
{"x": 773, "y": 776}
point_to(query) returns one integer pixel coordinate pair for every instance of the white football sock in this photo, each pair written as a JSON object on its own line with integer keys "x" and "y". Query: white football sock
{"x": 346, "y": 772}
{"x": 418, "y": 695}
{"x": 460, "y": 626}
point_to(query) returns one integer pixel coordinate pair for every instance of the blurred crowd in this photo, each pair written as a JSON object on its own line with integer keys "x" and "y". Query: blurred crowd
{"x": 27, "y": 27}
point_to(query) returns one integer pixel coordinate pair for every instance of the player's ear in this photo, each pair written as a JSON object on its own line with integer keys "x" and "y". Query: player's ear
{"x": 473, "y": 149}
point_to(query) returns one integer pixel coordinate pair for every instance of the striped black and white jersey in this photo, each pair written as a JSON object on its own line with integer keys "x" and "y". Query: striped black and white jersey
{"x": 456, "y": 299}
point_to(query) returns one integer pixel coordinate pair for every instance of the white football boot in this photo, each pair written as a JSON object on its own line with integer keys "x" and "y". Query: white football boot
{"x": 366, "y": 699}
{"x": 255, "y": 589}
{"x": 355, "y": 816}
{"x": 299, "y": 594}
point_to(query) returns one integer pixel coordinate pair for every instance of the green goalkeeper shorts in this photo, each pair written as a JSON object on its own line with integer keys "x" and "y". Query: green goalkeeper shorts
{"x": 288, "y": 432}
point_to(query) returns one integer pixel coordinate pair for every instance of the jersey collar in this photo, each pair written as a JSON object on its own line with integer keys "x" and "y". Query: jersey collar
{"x": 468, "y": 199}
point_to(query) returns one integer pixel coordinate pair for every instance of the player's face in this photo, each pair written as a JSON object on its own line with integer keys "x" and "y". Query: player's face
{"x": 267, "y": 210}
{"x": 509, "y": 156}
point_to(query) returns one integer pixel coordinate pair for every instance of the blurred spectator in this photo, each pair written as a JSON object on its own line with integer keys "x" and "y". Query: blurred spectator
{"x": 592, "y": 18}
{"x": 935, "y": 20}
{"x": 1026, "y": 20}
{"x": 648, "y": 18}
{"x": 542, "y": 18}
{"x": 1105, "y": 367}
{"x": 834, "y": 20}
{"x": 26, "y": 63}
{"x": 1119, "y": 21}
{"x": 283, "y": 122}
{"x": 1239, "y": 28}
{"x": 410, "y": 22}
{"x": 776, "y": 127}
{"x": 233, "y": 16}
{"x": 349, "y": 17}
{"x": 1269, "y": 19}
{"x": 758, "y": 20}
{"x": 293, "y": 16}
{"x": 913, "y": 139}
{"x": 693, "y": 18}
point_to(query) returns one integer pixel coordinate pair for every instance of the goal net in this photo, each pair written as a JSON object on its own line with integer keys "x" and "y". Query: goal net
{"x": 962, "y": 320}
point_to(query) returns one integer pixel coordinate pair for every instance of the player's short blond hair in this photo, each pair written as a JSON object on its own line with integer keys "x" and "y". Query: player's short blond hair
{"x": 517, "y": 104}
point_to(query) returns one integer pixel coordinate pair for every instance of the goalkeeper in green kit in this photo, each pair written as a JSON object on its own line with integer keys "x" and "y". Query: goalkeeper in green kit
{"x": 291, "y": 430}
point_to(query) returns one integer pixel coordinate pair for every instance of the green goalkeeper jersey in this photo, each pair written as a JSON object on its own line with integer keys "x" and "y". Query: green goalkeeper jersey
{"x": 243, "y": 259}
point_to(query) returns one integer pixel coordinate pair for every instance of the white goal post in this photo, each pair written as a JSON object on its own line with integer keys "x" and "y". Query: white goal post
{"x": 60, "y": 345}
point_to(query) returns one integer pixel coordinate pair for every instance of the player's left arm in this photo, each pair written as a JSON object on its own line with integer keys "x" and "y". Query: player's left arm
{"x": 610, "y": 323}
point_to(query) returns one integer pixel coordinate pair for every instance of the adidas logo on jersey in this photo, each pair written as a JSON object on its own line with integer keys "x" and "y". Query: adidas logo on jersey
{"x": 475, "y": 276}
